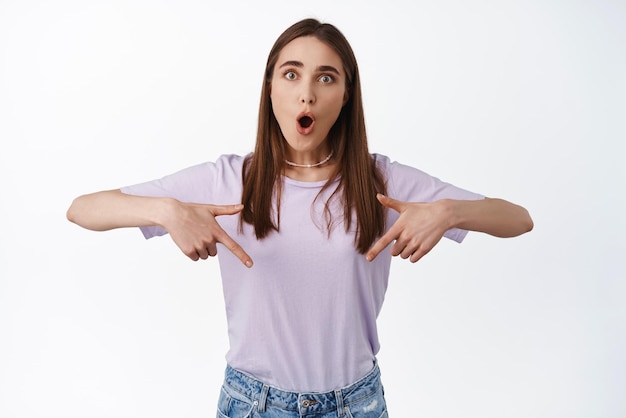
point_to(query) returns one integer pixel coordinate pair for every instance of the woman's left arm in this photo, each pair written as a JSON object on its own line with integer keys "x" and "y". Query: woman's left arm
{"x": 495, "y": 217}
{"x": 421, "y": 225}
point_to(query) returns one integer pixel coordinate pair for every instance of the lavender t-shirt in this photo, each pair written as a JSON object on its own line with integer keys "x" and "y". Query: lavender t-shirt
{"x": 303, "y": 318}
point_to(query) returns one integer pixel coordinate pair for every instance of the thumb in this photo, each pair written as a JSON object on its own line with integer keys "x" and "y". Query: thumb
{"x": 226, "y": 209}
{"x": 391, "y": 203}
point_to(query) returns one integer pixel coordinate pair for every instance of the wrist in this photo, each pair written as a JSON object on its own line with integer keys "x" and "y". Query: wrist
{"x": 165, "y": 211}
{"x": 451, "y": 212}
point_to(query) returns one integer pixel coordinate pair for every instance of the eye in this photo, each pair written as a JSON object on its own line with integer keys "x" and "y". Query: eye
{"x": 290, "y": 75}
{"x": 325, "y": 79}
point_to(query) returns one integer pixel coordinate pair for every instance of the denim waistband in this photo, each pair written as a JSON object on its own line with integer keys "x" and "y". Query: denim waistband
{"x": 313, "y": 403}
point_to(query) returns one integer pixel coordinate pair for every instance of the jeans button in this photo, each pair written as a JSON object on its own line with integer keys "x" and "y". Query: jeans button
{"x": 306, "y": 403}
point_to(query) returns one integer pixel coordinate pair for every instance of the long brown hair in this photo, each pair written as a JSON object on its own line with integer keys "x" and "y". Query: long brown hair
{"x": 359, "y": 178}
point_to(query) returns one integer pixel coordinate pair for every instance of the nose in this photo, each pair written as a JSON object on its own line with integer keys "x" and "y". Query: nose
{"x": 307, "y": 95}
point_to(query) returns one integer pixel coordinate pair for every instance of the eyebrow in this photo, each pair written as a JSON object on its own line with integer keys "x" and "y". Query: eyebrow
{"x": 321, "y": 68}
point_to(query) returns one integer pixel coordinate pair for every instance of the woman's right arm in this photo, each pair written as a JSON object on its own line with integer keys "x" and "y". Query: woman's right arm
{"x": 192, "y": 226}
{"x": 110, "y": 209}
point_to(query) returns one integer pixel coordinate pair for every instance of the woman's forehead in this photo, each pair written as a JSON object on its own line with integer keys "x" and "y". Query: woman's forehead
{"x": 311, "y": 52}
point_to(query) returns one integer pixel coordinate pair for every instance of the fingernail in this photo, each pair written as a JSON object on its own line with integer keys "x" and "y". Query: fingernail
{"x": 249, "y": 263}
{"x": 368, "y": 257}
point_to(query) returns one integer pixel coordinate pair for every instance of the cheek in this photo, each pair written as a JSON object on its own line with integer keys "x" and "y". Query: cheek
{"x": 335, "y": 105}
{"x": 281, "y": 114}
{"x": 277, "y": 104}
{"x": 279, "y": 98}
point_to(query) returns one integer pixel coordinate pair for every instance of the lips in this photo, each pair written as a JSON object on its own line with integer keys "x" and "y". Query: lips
{"x": 305, "y": 123}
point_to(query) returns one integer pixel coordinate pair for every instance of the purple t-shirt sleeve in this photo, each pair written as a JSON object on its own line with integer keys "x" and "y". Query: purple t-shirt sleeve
{"x": 409, "y": 184}
{"x": 216, "y": 183}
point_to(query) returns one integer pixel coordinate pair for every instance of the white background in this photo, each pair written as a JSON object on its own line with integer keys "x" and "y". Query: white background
{"x": 523, "y": 100}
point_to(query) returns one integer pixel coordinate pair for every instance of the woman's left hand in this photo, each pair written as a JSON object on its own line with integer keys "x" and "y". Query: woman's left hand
{"x": 418, "y": 229}
{"x": 421, "y": 225}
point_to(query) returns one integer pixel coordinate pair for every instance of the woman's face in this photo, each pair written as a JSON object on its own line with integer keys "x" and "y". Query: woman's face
{"x": 307, "y": 92}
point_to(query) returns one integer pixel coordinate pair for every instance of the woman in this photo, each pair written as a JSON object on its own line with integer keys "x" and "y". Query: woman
{"x": 315, "y": 218}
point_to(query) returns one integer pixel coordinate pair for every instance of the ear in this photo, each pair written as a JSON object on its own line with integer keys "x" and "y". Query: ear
{"x": 346, "y": 97}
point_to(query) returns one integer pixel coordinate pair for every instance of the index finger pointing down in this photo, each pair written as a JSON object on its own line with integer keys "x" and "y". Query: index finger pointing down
{"x": 236, "y": 249}
{"x": 380, "y": 245}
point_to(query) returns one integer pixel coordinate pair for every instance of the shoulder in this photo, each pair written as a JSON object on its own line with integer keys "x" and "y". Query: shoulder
{"x": 231, "y": 160}
{"x": 224, "y": 171}
{"x": 381, "y": 162}
{"x": 391, "y": 168}
{"x": 230, "y": 163}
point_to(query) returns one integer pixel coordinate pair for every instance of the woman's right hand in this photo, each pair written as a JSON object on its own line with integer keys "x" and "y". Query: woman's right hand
{"x": 192, "y": 226}
{"x": 195, "y": 230}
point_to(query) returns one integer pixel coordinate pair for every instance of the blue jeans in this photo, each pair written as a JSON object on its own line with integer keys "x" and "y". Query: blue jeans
{"x": 243, "y": 396}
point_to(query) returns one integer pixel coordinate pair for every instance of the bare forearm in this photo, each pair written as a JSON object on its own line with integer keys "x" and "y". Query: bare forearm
{"x": 111, "y": 209}
{"x": 495, "y": 217}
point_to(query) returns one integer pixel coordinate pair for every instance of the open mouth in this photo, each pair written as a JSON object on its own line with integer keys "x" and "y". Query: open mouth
{"x": 305, "y": 121}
